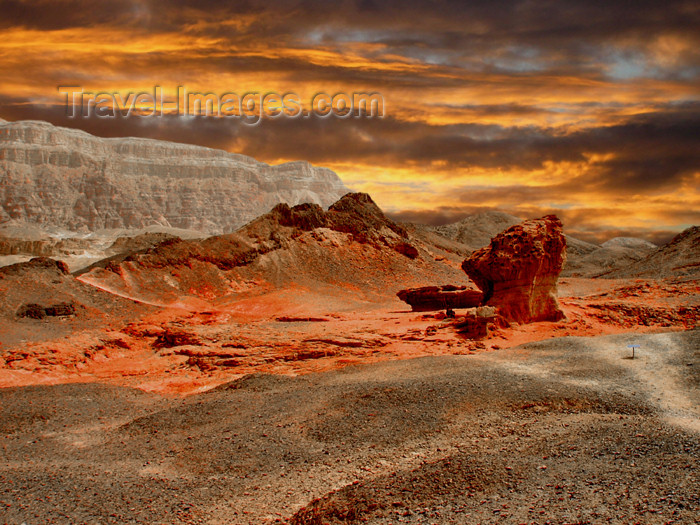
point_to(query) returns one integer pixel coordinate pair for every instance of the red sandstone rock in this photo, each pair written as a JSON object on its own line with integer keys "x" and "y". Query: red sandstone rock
{"x": 406, "y": 249}
{"x": 429, "y": 298}
{"x": 518, "y": 271}
{"x": 477, "y": 323}
{"x": 172, "y": 337}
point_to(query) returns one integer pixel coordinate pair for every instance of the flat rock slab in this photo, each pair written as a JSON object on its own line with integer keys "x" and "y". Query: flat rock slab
{"x": 430, "y": 298}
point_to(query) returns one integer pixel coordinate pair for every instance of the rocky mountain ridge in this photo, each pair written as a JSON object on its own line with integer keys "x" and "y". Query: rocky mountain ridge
{"x": 352, "y": 245}
{"x": 60, "y": 177}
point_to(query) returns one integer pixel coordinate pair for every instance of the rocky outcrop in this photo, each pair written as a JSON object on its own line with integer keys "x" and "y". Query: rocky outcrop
{"x": 37, "y": 264}
{"x": 431, "y": 298}
{"x": 355, "y": 214}
{"x": 67, "y": 178}
{"x": 518, "y": 271}
{"x": 407, "y": 249}
{"x": 172, "y": 337}
{"x": 36, "y": 311}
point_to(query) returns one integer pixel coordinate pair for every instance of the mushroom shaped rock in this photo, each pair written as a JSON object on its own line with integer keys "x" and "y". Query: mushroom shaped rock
{"x": 518, "y": 271}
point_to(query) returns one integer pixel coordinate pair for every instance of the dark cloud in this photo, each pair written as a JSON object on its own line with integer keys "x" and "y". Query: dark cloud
{"x": 68, "y": 14}
{"x": 594, "y": 62}
{"x": 648, "y": 152}
{"x": 447, "y": 25}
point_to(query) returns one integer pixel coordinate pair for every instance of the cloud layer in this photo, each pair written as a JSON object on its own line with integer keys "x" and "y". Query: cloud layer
{"x": 588, "y": 109}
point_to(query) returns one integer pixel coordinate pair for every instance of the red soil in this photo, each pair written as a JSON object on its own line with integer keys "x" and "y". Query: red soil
{"x": 195, "y": 347}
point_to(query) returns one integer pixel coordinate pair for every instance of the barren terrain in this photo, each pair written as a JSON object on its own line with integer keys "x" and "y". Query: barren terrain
{"x": 273, "y": 376}
{"x": 563, "y": 431}
{"x": 189, "y": 349}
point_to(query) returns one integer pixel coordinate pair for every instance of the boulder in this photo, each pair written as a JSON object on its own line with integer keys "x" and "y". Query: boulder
{"x": 31, "y": 310}
{"x": 406, "y": 249}
{"x": 478, "y": 323}
{"x": 36, "y": 311}
{"x": 60, "y": 310}
{"x": 518, "y": 271}
{"x": 430, "y": 298}
{"x": 172, "y": 337}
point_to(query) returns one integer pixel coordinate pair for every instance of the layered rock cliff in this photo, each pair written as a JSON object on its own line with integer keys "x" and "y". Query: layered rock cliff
{"x": 67, "y": 178}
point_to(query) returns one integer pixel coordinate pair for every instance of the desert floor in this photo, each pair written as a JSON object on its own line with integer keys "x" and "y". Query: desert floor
{"x": 196, "y": 345}
{"x": 310, "y": 408}
{"x": 569, "y": 430}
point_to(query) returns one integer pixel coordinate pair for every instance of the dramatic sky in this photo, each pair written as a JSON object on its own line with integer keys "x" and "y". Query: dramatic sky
{"x": 590, "y": 110}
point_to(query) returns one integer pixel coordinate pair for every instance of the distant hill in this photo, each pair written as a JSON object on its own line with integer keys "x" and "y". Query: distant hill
{"x": 629, "y": 242}
{"x": 476, "y": 231}
{"x": 679, "y": 258}
{"x": 590, "y": 260}
{"x": 584, "y": 259}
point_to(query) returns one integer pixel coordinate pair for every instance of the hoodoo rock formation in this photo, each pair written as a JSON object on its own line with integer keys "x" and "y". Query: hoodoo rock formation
{"x": 66, "y": 178}
{"x": 518, "y": 271}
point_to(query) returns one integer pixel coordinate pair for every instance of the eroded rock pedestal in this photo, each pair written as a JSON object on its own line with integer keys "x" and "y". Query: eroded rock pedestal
{"x": 518, "y": 271}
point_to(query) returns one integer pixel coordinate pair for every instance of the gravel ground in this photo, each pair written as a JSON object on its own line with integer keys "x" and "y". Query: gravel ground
{"x": 564, "y": 431}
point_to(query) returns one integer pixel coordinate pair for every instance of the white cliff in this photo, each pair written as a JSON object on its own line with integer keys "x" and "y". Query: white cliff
{"x": 65, "y": 178}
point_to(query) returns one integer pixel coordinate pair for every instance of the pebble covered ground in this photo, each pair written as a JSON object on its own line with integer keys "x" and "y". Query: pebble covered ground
{"x": 563, "y": 431}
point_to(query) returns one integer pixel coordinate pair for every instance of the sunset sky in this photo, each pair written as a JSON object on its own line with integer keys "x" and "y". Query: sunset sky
{"x": 590, "y": 110}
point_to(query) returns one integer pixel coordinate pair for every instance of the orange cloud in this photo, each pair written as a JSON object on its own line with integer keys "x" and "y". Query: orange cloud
{"x": 486, "y": 107}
